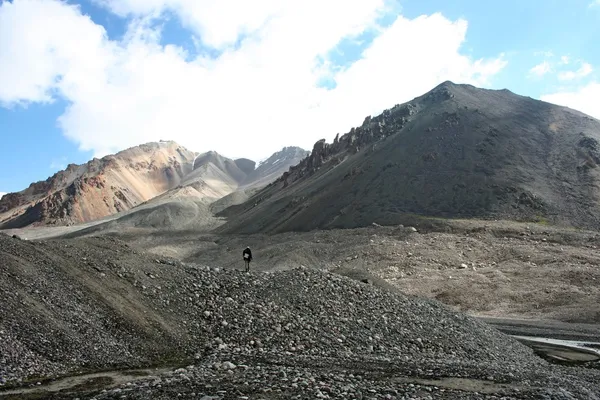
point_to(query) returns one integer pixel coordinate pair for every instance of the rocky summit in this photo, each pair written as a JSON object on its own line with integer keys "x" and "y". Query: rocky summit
{"x": 72, "y": 307}
{"x": 456, "y": 152}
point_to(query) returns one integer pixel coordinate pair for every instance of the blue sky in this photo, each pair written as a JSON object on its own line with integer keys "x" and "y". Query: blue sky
{"x": 86, "y": 78}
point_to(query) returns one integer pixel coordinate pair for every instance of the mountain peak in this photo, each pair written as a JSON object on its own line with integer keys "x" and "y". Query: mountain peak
{"x": 99, "y": 187}
{"x": 447, "y": 84}
{"x": 455, "y": 152}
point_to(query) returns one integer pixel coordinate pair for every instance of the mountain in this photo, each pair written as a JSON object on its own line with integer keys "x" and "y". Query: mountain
{"x": 274, "y": 166}
{"x": 457, "y": 151}
{"x": 98, "y": 188}
{"x": 147, "y": 175}
{"x": 215, "y": 184}
{"x": 247, "y": 166}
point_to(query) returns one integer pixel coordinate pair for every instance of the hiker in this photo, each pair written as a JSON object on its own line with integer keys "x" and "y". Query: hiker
{"x": 247, "y": 254}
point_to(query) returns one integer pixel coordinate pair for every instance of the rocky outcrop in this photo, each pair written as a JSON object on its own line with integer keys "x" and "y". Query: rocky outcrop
{"x": 370, "y": 132}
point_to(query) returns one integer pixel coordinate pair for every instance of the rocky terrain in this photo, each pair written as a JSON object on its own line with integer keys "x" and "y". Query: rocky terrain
{"x": 483, "y": 268}
{"x": 455, "y": 152}
{"x": 154, "y": 172}
{"x": 401, "y": 303}
{"x": 72, "y": 306}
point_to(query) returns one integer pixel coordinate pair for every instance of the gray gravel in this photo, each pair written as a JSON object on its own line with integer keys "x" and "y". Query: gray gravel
{"x": 301, "y": 332}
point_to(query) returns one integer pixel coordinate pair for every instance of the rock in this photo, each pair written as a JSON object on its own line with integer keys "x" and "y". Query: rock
{"x": 228, "y": 365}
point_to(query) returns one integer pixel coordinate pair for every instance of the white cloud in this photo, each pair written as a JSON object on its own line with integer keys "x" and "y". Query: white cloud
{"x": 2, "y": 195}
{"x": 582, "y": 72}
{"x": 541, "y": 69}
{"x": 251, "y": 100}
{"x": 585, "y": 99}
{"x": 43, "y": 40}
{"x": 565, "y": 60}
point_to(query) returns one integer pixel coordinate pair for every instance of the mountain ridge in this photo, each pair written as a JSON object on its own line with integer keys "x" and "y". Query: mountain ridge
{"x": 129, "y": 178}
{"x": 457, "y": 151}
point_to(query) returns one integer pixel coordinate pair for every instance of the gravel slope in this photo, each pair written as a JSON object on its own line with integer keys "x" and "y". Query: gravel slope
{"x": 95, "y": 303}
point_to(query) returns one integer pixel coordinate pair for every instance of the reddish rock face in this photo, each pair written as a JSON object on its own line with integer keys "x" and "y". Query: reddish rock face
{"x": 99, "y": 188}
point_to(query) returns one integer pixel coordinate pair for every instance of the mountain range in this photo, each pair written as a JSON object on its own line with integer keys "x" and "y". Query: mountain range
{"x": 132, "y": 177}
{"x": 455, "y": 152}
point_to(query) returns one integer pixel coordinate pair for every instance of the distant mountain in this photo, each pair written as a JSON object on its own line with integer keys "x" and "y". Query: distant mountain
{"x": 457, "y": 151}
{"x": 159, "y": 172}
{"x": 274, "y": 166}
{"x": 247, "y": 166}
{"x": 98, "y": 188}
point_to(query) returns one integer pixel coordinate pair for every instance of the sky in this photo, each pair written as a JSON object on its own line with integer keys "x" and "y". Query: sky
{"x": 86, "y": 78}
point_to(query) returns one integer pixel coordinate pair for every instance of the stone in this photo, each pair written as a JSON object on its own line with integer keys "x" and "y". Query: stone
{"x": 228, "y": 365}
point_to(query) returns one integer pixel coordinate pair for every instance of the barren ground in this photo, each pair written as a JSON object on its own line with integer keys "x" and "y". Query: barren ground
{"x": 483, "y": 268}
{"x": 525, "y": 279}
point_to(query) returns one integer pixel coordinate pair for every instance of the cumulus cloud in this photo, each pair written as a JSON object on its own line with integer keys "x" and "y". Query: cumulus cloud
{"x": 541, "y": 69}
{"x": 582, "y": 72}
{"x": 2, "y": 195}
{"x": 584, "y": 99}
{"x": 260, "y": 93}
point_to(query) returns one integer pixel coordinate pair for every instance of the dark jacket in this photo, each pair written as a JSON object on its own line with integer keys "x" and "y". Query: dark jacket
{"x": 247, "y": 251}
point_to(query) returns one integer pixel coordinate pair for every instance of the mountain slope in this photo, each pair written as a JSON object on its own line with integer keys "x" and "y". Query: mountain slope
{"x": 98, "y": 188}
{"x": 457, "y": 151}
{"x": 152, "y": 174}
{"x": 273, "y": 167}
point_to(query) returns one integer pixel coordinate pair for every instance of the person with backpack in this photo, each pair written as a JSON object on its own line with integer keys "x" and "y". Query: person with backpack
{"x": 247, "y": 255}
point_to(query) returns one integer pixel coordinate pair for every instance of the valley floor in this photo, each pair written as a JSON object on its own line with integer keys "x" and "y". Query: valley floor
{"x": 483, "y": 268}
{"x": 141, "y": 305}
